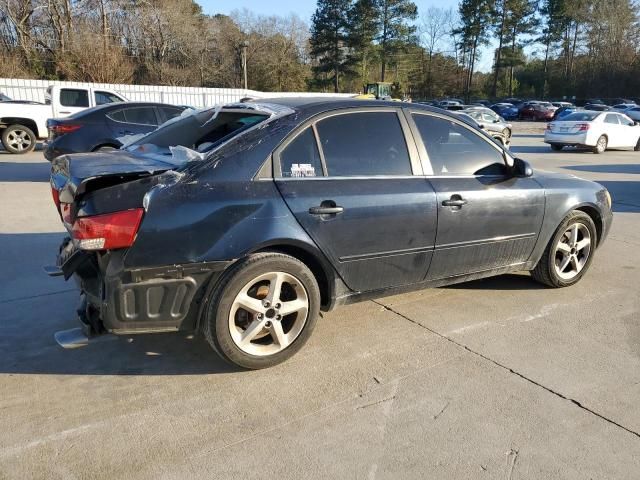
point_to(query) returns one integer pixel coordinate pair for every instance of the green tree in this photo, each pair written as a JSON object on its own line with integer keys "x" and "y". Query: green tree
{"x": 329, "y": 41}
{"x": 475, "y": 23}
{"x": 395, "y": 31}
{"x": 363, "y": 29}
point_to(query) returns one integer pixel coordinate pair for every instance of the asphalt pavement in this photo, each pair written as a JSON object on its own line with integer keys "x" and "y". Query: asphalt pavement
{"x": 493, "y": 379}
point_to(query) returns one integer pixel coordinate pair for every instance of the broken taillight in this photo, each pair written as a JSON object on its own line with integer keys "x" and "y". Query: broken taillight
{"x": 56, "y": 197}
{"x": 109, "y": 231}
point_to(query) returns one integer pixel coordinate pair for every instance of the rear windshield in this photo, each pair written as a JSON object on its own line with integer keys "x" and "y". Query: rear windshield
{"x": 581, "y": 117}
{"x": 201, "y": 131}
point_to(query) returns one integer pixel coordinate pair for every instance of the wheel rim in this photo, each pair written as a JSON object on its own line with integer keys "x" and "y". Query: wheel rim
{"x": 572, "y": 251}
{"x": 602, "y": 144}
{"x": 268, "y": 314}
{"x": 19, "y": 140}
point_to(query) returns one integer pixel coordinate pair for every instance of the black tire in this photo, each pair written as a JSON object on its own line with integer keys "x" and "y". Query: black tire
{"x": 216, "y": 315}
{"x": 637, "y": 147}
{"x": 545, "y": 272}
{"x": 602, "y": 142}
{"x": 18, "y": 139}
{"x": 556, "y": 147}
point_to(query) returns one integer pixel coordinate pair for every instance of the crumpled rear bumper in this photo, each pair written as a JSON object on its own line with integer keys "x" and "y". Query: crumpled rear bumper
{"x": 124, "y": 300}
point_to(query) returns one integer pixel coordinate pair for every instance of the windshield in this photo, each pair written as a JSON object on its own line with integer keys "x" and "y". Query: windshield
{"x": 581, "y": 117}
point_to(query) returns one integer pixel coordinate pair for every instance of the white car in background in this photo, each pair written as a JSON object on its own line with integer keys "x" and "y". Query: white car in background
{"x": 633, "y": 113}
{"x": 594, "y": 130}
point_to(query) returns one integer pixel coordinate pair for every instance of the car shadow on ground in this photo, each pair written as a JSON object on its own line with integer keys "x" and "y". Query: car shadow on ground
{"x": 544, "y": 148}
{"x": 528, "y": 135}
{"x": 509, "y": 281}
{"x": 613, "y": 168}
{"x": 25, "y": 172}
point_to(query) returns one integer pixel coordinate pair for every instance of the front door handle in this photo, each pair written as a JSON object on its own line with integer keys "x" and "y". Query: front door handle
{"x": 454, "y": 201}
{"x": 327, "y": 207}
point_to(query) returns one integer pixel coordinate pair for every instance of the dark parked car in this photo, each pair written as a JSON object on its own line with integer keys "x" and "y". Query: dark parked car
{"x": 305, "y": 205}
{"x": 597, "y": 107}
{"x": 506, "y": 110}
{"x": 537, "y": 111}
{"x": 105, "y": 127}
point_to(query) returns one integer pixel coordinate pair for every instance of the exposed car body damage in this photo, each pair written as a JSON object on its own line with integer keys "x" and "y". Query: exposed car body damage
{"x": 360, "y": 237}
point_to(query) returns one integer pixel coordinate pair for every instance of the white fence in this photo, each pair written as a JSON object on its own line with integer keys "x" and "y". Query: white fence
{"x": 34, "y": 90}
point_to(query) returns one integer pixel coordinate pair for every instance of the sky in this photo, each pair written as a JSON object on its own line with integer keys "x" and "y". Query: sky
{"x": 305, "y": 8}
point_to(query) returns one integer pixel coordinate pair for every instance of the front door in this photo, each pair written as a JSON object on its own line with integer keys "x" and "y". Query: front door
{"x": 487, "y": 218}
{"x": 358, "y": 198}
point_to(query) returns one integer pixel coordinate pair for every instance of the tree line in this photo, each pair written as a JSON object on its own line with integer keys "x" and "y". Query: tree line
{"x": 537, "y": 48}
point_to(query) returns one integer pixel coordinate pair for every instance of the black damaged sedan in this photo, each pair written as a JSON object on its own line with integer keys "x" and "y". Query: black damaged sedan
{"x": 243, "y": 222}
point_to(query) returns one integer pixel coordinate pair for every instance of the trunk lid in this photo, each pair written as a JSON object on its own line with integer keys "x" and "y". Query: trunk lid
{"x": 560, "y": 126}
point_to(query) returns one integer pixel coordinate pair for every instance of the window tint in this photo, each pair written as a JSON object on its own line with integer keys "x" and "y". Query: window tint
{"x": 370, "y": 143}
{"x": 611, "y": 118}
{"x": 626, "y": 121}
{"x": 74, "y": 98}
{"x": 171, "y": 112}
{"x": 456, "y": 150}
{"x": 301, "y": 158}
{"x": 581, "y": 117}
{"x": 141, "y": 115}
{"x": 118, "y": 116}
{"x": 102, "y": 98}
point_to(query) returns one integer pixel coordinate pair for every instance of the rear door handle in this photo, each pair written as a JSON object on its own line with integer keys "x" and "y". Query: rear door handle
{"x": 454, "y": 201}
{"x": 326, "y": 210}
{"x": 65, "y": 112}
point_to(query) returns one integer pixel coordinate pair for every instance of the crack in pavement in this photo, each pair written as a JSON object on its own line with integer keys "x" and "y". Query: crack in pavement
{"x": 512, "y": 371}
{"x": 30, "y": 297}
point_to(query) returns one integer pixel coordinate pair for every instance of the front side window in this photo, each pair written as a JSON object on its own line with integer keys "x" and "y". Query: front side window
{"x": 70, "y": 97}
{"x": 102, "y": 98}
{"x": 364, "y": 144}
{"x": 301, "y": 157}
{"x": 457, "y": 150}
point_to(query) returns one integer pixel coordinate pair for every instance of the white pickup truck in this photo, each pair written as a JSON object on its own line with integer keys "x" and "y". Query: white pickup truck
{"x": 22, "y": 124}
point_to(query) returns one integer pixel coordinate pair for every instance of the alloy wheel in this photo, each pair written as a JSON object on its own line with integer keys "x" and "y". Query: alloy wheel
{"x": 601, "y": 146}
{"x": 572, "y": 251}
{"x": 268, "y": 313}
{"x": 19, "y": 140}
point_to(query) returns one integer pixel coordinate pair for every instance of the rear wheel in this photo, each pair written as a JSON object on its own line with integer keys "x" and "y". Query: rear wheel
{"x": 569, "y": 252}
{"x": 18, "y": 139}
{"x": 556, "y": 146}
{"x": 601, "y": 145}
{"x": 262, "y": 311}
{"x": 637, "y": 147}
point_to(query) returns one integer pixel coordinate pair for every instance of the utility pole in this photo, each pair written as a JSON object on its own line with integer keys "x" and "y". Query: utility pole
{"x": 244, "y": 47}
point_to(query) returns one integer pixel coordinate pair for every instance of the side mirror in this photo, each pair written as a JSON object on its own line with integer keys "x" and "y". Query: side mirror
{"x": 521, "y": 168}
{"x": 636, "y": 122}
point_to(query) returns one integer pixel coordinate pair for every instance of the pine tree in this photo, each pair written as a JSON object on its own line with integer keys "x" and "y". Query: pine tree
{"x": 475, "y": 19}
{"x": 396, "y": 33}
{"x": 329, "y": 38}
{"x": 364, "y": 25}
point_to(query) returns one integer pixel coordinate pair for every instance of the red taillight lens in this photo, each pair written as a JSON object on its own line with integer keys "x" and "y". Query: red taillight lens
{"x": 107, "y": 232}
{"x": 582, "y": 127}
{"x": 64, "y": 128}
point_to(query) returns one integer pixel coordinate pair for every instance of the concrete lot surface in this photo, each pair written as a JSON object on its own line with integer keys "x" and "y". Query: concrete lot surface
{"x": 493, "y": 379}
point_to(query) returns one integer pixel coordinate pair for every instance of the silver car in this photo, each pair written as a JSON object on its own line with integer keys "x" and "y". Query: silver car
{"x": 490, "y": 121}
{"x": 633, "y": 113}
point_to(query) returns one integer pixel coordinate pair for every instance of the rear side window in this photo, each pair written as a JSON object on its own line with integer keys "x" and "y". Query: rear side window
{"x": 102, "y": 98}
{"x": 117, "y": 116}
{"x": 70, "y": 97}
{"x": 141, "y": 115}
{"x": 301, "y": 157}
{"x": 456, "y": 150}
{"x": 364, "y": 144}
{"x": 611, "y": 118}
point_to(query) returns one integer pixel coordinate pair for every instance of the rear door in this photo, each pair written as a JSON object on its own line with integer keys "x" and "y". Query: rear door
{"x": 487, "y": 218}
{"x": 356, "y": 186}
{"x": 612, "y": 129}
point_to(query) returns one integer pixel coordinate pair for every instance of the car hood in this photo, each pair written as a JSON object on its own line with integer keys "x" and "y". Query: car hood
{"x": 550, "y": 180}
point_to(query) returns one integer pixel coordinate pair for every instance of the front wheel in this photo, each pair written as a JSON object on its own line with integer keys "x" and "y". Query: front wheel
{"x": 637, "y": 147}
{"x": 18, "y": 139}
{"x": 569, "y": 252}
{"x": 601, "y": 145}
{"x": 262, "y": 311}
